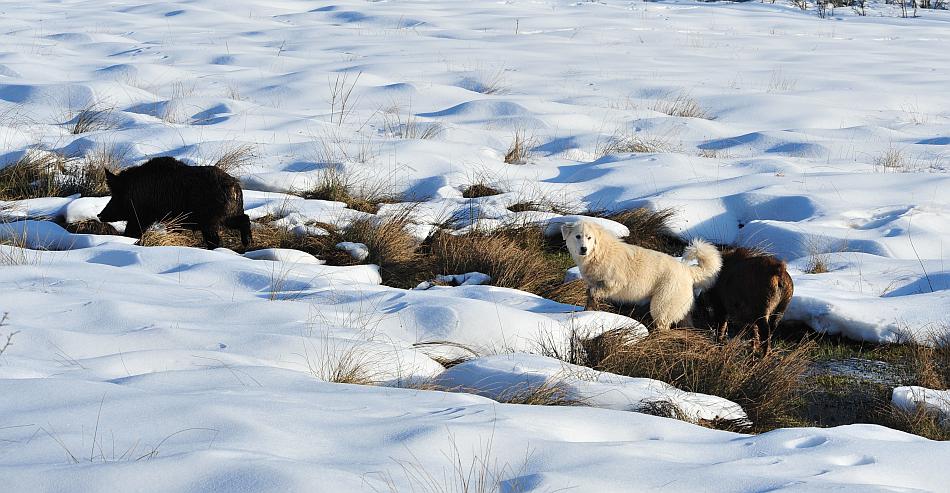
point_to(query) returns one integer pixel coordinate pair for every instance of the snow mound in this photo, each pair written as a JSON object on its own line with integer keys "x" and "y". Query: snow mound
{"x": 45, "y": 235}
{"x": 283, "y": 255}
{"x": 359, "y": 251}
{"x": 507, "y": 376}
{"x": 910, "y": 398}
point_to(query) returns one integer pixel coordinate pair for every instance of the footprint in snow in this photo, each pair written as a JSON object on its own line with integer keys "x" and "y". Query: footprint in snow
{"x": 806, "y": 442}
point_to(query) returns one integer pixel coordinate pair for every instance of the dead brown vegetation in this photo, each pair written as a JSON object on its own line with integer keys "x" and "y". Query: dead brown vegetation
{"x": 767, "y": 387}
{"x": 649, "y": 228}
{"x": 477, "y": 190}
{"x": 168, "y": 233}
{"x": 33, "y": 175}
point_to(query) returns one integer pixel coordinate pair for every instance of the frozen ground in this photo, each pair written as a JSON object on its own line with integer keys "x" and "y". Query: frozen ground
{"x": 825, "y": 138}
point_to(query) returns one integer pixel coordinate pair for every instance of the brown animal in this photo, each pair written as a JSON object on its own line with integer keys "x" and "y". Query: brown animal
{"x": 163, "y": 188}
{"x": 752, "y": 292}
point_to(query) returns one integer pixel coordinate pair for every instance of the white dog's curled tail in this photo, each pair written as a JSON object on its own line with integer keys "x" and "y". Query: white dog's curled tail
{"x": 708, "y": 262}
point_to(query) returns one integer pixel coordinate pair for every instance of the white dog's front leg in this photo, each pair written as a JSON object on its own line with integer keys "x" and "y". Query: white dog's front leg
{"x": 595, "y": 291}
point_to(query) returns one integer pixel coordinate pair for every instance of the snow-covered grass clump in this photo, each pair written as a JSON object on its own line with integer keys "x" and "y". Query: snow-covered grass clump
{"x": 521, "y": 377}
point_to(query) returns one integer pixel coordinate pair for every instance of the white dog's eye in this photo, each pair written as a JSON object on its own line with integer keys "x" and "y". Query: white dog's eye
{"x": 578, "y": 237}
{"x": 588, "y": 237}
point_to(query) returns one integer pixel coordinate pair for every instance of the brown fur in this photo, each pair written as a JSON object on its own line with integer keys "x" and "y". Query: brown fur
{"x": 752, "y": 292}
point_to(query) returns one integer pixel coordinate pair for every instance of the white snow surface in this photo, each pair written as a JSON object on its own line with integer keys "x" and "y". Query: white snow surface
{"x": 825, "y": 136}
{"x": 794, "y": 154}
{"x": 908, "y": 398}
{"x": 506, "y": 376}
{"x": 358, "y": 251}
{"x": 467, "y": 279}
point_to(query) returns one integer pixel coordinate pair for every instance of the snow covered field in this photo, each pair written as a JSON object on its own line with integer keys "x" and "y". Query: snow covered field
{"x": 761, "y": 125}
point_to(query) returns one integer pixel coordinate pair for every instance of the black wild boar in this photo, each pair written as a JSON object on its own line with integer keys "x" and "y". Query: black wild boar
{"x": 204, "y": 197}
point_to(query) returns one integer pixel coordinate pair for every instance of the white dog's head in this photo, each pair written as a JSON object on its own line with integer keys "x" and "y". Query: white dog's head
{"x": 581, "y": 237}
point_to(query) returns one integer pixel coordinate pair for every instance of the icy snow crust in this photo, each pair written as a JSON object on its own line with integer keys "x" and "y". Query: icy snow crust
{"x": 208, "y": 366}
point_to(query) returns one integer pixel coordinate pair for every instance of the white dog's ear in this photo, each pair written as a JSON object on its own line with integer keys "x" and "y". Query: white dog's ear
{"x": 566, "y": 230}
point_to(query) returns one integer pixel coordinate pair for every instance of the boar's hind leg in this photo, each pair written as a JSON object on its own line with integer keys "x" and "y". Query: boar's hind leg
{"x": 211, "y": 237}
{"x": 241, "y": 223}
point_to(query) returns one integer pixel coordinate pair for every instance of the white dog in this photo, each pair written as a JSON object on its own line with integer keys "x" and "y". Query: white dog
{"x": 629, "y": 274}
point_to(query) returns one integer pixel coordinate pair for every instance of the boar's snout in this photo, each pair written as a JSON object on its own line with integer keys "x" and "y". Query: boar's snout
{"x": 111, "y": 212}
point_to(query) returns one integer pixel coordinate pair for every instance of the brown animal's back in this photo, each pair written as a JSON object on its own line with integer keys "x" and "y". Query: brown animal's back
{"x": 752, "y": 292}
{"x": 204, "y": 193}
{"x": 199, "y": 197}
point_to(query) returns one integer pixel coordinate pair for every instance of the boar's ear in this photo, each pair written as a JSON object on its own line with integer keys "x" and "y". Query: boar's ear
{"x": 111, "y": 178}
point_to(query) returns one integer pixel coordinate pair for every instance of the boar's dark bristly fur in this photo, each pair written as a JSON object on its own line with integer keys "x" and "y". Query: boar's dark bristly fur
{"x": 203, "y": 198}
{"x": 752, "y": 292}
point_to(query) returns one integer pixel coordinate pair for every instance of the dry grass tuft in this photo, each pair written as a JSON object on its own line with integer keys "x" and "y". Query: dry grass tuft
{"x": 649, "y": 229}
{"x": 236, "y": 157}
{"x": 513, "y": 258}
{"x": 549, "y": 393}
{"x": 682, "y": 105}
{"x": 9, "y": 337}
{"x": 93, "y": 118}
{"x": 268, "y": 235}
{"x": 525, "y": 207}
{"x": 817, "y": 264}
{"x": 40, "y": 173}
{"x": 817, "y": 250}
{"x": 477, "y": 190}
{"x": 624, "y": 141}
{"x": 34, "y": 175}
{"x": 474, "y": 470}
{"x": 930, "y": 359}
{"x": 891, "y": 159}
{"x": 90, "y": 227}
{"x": 662, "y": 408}
{"x": 340, "y": 186}
{"x": 343, "y": 362}
{"x": 14, "y": 250}
{"x": 572, "y": 351}
{"x": 766, "y": 386}
{"x": 520, "y": 148}
{"x": 88, "y": 178}
{"x": 168, "y": 233}
{"x": 924, "y": 422}
{"x": 491, "y": 82}
{"x": 715, "y": 154}
{"x": 407, "y": 125}
{"x": 391, "y": 246}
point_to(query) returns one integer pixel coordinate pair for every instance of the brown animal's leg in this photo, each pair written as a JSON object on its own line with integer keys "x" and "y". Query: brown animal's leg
{"x": 720, "y": 322}
{"x": 762, "y": 325}
{"x": 245, "y": 231}
{"x": 241, "y": 223}
{"x": 770, "y": 322}
{"x": 132, "y": 229}
{"x": 756, "y": 339}
{"x": 590, "y": 300}
{"x": 722, "y": 330}
{"x": 211, "y": 237}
